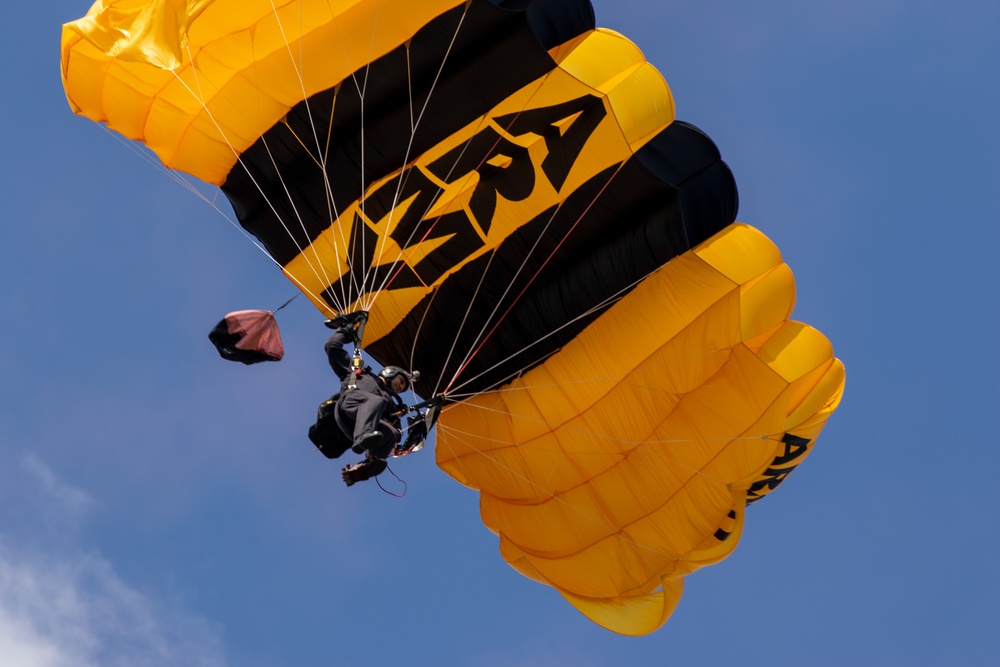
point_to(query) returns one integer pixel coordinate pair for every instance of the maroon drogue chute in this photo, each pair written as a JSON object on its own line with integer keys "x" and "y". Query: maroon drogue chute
{"x": 249, "y": 336}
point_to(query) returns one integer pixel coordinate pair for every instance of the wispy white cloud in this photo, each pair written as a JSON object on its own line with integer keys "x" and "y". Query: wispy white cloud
{"x": 58, "y": 495}
{"x": 75, "y": 611}
{"x": 62, "y": 605}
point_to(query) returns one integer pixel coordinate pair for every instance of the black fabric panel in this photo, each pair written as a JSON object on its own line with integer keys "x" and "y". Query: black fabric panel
{"x": 554, "y": 22}
{"x": 498, "y": 50}
{"x": 672, "y": 195}
{"x": 683, "y": 153}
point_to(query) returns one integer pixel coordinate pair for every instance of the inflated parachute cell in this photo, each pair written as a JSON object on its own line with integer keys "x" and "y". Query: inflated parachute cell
{"x": 505, "y": 189}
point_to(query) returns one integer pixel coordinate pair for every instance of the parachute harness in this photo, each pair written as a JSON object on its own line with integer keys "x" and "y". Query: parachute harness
{"x": 357, "y": 368}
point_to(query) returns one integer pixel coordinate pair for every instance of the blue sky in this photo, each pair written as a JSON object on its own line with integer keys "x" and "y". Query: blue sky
{"x": 160, "y": 507}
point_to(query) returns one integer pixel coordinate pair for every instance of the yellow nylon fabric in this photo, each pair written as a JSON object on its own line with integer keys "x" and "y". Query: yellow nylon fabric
{"x": 198, "y": 81}
{"x": 615, "y": 466}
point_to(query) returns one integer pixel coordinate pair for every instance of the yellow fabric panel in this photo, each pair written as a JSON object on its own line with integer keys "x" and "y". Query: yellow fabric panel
{"x": 586, "y": 573}
{"x": 626, "y": 457}
{"x": 794, "y": 349}
{"x": 741, "y": 256}
{"x": 615, "y": 67}
{"x": 250, "y": 61}
{"x": 147, "y": 32}
{"x": 602, "y": 60}
{"x": 634, "y": 615}
{"x": 809, "y": 417}
{"x": 767, "y": 299}
{"x": 638, "y": 615}
{"x": 727, "y": 431}
{"x": 646, "y": 482}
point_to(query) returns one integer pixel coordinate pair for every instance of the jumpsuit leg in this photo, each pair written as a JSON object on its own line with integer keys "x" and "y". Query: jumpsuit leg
{"x": 365, "y": 410}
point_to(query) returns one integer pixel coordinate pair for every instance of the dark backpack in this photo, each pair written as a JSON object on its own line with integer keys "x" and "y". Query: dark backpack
{"x": 326, "y": 433}
{"x": 329, "y": 433}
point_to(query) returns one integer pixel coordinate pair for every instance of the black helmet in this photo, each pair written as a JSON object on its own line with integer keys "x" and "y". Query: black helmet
{"x": 390, "y": 372}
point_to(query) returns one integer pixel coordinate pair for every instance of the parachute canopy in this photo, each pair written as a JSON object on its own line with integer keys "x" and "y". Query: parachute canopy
{"x": 505, "y": 188}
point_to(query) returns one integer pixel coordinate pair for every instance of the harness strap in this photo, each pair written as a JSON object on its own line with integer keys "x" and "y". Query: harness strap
{"x": 356, "y": 368}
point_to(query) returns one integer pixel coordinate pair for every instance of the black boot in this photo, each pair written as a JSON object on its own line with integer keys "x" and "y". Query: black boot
{"x": 366, "y": 441}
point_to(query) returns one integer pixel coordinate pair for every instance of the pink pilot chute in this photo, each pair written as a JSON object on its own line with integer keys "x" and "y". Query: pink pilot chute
{"x": 248, "y": 336}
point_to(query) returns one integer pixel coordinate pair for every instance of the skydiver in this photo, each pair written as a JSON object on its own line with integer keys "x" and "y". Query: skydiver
{"x": 368, "y": 407}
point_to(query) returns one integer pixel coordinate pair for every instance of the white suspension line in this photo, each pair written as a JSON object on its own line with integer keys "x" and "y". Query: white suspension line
{"x": 363, "y": 193}
{"x": 416, "y": 335}
{"x": 430, "y": 205}
{"x": 298, "y": 66}
{"x": 199, "y": 97}
{"x": 465, "y": 317}
{"x": 498, "y": 386}
{"x": 330, "y": 208}
{"x": 409, "y": 90}
{"x": 473, "y": 347}
{"x": 409, "y": 147}
{"x": 551, "y": 255}
{"x": 503, "y": 388}
{"x": 347, "y": 287}
{"x": 178, "y": 178}
{"x": 599, "y": 306}
{"x": 483, "y": 122}
{"x": 331, "y": 204}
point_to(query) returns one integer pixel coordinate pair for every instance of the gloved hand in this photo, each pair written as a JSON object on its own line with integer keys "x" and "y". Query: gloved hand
{"x": 348, "y": 320}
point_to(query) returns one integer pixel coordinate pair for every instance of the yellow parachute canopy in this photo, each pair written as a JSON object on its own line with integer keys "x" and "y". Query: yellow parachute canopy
{"x": 504, "y": 187}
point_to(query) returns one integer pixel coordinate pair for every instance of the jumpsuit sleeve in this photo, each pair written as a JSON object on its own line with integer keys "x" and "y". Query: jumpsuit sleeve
{"x": 339, "y": 360}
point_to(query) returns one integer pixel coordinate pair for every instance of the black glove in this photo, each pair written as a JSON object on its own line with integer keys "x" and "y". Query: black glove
{"x": 347, "y": 319}
{"x": 363, "y": 470}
